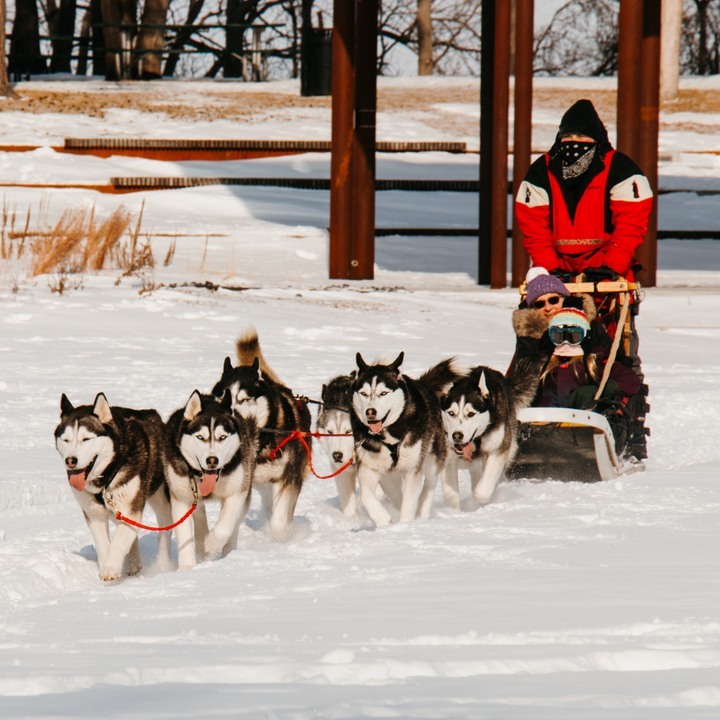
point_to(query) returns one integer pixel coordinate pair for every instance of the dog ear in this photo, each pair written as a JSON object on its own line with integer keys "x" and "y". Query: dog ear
{"x": 482, "y": 385}
{"x": 362, "y": 365}
{"x": 66, "y": 407}
{"x": 194, "y": 406}
{"x": 323, "y": 394}
{"x": 226, "y": 402}
{"x": 227, "y": 367}
{"x": 398, "y": 362}
{"x": 101, "y": 409}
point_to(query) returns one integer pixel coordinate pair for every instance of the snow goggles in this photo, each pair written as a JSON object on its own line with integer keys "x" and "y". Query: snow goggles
{"x": 570, "y": 334}
{"x": 554, "y": 300}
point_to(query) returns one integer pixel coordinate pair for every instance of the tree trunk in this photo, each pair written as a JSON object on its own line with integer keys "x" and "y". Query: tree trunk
{"x": 426, "y": 66}
{"x": 5, "y": 89}
{"x": 182, "y": 37}
{"x": 670, "y": 28}
{"x": 25, "y": 57}
{"x": 119, "y": 23}
{"x": 702, "y": 56}
{"x": 150, "y": 39}
{"x": 62, "y": 26}
{"x": 97, "y": 38}
{"x": 239, "y": 13}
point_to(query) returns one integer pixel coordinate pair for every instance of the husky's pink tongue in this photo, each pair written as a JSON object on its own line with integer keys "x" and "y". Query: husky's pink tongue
{"x": 375, "y": 427}
{"x": 467, "y": 451}
{"x": 207, "y": 484}
{"x": 77, "y": 478}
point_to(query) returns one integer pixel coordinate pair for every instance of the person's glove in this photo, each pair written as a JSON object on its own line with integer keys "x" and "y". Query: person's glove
{"x": 561, "y": 274}
{"x": 598, "y": 274}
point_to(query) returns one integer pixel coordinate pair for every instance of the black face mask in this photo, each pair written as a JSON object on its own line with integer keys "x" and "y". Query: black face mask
{"x": 576, "y": 157}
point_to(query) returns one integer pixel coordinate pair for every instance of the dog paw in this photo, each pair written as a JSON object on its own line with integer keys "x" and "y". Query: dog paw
{"x": 109, "y": 573}
{"x": 213, "y": 545}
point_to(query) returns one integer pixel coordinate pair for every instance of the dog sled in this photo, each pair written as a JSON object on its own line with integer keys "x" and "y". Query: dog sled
{"x": 586, "y": 444}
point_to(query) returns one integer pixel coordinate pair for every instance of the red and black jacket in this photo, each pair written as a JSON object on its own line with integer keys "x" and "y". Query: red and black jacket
{"x": 600, "y": 221}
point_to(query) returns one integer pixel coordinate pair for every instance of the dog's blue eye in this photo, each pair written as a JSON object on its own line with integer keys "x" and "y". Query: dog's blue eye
{"x": 451, "y": 413}
{"x": 384, "y": 393}
{"x": 200, "y": 438}
{"x": 363, "y": 393}
{"x": 222, "y": 437}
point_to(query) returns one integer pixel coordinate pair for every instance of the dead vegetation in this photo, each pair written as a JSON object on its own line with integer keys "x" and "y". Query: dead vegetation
{"x": 79, "y": 242}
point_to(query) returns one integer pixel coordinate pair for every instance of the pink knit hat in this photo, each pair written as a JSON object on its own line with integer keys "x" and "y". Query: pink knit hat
{"x": 540, "y": 282}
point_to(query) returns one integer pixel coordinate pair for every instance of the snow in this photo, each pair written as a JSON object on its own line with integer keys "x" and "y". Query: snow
{"x": 557, "y": 601}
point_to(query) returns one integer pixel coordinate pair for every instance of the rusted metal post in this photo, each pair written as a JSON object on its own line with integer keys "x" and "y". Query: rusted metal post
{"x": 649, "y": 128}
{"x": 494, "y": 100}
{"x": 487, "y": 77}
{"x": 362, "y": 246}
{"x": 501, "y": 102}
{"x": 629, "y": 82}
{"x": 343, "y": 104}
{"x": 522, "y": 131}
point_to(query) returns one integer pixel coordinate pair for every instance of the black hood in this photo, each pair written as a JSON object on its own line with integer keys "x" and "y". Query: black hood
{"x": 582, "y": 119}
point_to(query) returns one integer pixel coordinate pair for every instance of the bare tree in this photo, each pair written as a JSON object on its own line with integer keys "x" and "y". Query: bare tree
{"x": 671, "y": 26}
{"x": 182, "y": 37}
{"x": 5, "y": 88}
{"x": 454, "y": 27}
{"x": 426, "y": 65}
{"x": 700, "y": 38}
{"x": 61, "y": 26}
{"x": 25, "y": 55}
{"x": 150, "y": 38}
{"x": 581, "y": 39}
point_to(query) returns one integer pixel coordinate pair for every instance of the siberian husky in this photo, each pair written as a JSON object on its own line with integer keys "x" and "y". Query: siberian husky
{"x": 256, "y": 392}
{"x": 397, "y": 426}
{"x": 333, "y": 425}
{"x": 211, "y": 456}
{"x": 115, "y": 463}
{"x": 480, "y": 417}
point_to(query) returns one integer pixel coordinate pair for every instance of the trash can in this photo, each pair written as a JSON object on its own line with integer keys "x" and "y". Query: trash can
{"x": 316, "y": 63}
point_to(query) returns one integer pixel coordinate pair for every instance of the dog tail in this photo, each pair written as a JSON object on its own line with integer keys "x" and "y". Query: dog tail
{"x": 439, "y": 378}
{"x": 248, "y": 348}
{"x": 523, "y": 377}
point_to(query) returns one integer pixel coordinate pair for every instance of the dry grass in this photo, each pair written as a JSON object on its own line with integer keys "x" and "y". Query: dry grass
{"x": 79, "y": 242}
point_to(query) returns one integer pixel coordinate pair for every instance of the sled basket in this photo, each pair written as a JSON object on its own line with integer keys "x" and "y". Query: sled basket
{"x": 568, "y": 444}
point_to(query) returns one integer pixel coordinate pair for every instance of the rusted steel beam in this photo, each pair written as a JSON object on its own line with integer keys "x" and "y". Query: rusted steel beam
{"x": 362, "y": 261}
{"x": 343, "y": 105}
{"x": 649, "y": 129}
{"x": 629, "y": 80}
{"x": 501, "y": 101}
{"x": 487, "y": 78}
{"x": 522, "y": 131}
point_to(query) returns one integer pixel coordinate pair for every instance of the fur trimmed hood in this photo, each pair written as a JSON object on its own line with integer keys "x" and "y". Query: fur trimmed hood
{"x": 528, "y": 322}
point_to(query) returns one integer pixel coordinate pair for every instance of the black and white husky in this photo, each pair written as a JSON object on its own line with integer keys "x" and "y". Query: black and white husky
{"x": 336, "y": 438}
{"x": 401, "y": 444}
{"x": 256, "y": 392}
{"x": 115, "y": 462}
{"x": 211, "y": 456}
{"x": 480, "y": 418}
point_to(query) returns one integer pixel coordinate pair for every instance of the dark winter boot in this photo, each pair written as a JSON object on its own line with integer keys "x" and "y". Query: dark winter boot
{"x": 638, "y": 408}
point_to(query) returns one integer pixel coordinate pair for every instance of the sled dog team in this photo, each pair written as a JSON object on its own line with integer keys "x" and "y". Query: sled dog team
{"x": 391, "y": 435}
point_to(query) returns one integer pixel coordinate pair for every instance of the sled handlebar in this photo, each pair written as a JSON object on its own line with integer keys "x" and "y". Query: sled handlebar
{"x": 604, "y": 286}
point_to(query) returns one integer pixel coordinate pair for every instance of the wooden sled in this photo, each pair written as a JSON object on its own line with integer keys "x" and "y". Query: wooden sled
{"x": 570, "y": 444}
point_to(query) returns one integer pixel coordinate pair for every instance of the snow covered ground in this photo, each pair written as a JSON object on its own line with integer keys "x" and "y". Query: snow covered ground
{"x": 558, "y": 601}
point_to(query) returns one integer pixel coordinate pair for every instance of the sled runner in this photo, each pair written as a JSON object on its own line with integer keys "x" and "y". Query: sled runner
{"x": 586, "y": 444}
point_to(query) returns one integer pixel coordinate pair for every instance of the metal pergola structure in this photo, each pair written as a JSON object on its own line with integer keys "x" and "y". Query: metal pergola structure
{"x": 352, "y": 194}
